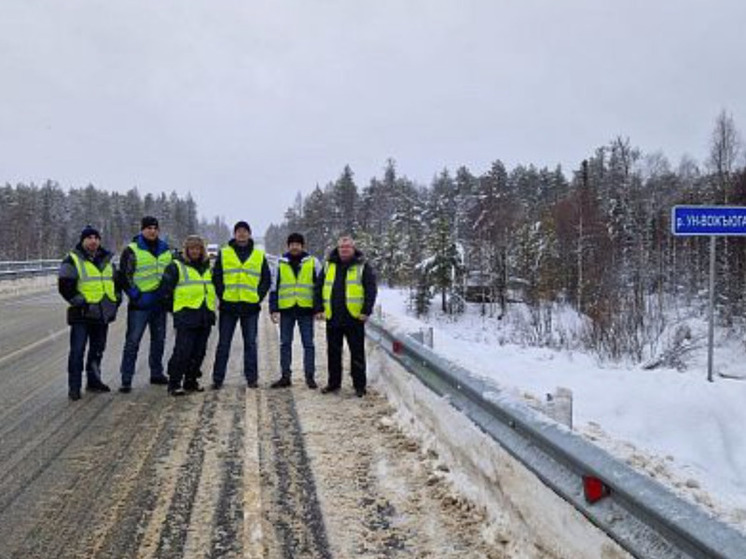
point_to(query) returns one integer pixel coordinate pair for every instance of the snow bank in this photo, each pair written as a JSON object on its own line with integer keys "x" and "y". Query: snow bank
{"x": 529, "y": 519}
{"x": 674, "y": 426}
{"x": 13, "y": 287}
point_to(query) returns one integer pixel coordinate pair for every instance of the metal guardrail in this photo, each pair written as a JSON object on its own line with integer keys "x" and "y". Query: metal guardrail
{"x": 27, "y": 268}
{"x": 641, "y": 515}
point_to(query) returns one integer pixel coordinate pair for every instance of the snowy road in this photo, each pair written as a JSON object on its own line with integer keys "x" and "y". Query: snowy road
{"x": 265, "y": 473}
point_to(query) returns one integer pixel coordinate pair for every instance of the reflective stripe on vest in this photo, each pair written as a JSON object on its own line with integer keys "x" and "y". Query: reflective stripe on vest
{"x": 148, "y": 268}
{"x": 354, "y": 292}
{"x": 241, "y": 280}
{"x": 93, "y": 284}
{"x": 193, "y": 289}
{"x": 296, "y": 291}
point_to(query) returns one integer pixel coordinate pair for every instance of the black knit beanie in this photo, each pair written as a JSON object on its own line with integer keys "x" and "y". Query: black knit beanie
{"x": 241, "y": 224}
{"x": 89, "y": 230}
{"x": 148, "y": 221}
{"x": 296, "y": 238}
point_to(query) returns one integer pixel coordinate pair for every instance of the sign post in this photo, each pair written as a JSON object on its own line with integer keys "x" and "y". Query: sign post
{"x": 713, "y": 222}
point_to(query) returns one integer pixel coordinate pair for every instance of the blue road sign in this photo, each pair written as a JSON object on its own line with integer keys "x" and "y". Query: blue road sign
{"x": 708, "y": 220}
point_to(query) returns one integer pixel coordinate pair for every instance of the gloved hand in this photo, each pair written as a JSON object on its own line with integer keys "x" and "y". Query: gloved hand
{"x": 133, "y": 293}
{"x": 148, "y": 300}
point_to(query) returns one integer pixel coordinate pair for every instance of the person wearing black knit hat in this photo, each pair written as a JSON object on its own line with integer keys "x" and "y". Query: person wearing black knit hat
{"x": 143, "y": 263}
{"x": 293, "y": 300}
{"x": 149, "y": 221}
{"x": 89, "y": 231}
{"x": 241, "y": 225}
{"x": 242, "y": 279}
{"x": 93, "y": 305}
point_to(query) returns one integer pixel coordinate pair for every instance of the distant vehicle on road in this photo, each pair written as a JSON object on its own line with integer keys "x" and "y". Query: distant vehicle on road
{"x": 212, "y": 250}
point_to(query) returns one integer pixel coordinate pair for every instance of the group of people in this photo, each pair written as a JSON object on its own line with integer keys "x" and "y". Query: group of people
{"x": 157, "y": 280}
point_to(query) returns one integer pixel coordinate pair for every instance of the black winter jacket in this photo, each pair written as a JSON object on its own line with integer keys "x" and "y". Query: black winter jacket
{"x": 241, "y": 308}
{"x": 340, "y": 314}
{"x": 186, "y": 318}
{"x": 67, "y": 285}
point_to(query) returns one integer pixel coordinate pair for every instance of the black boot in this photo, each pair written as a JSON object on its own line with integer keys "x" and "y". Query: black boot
{"x": 282, "y": 383}
{"x": 94, "y": 383}
{"x": 192, "y": 385}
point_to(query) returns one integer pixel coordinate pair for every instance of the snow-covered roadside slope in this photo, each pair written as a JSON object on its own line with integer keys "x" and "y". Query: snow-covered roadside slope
{"x": 14, "y": 287}
{"x": 675, "y": 426}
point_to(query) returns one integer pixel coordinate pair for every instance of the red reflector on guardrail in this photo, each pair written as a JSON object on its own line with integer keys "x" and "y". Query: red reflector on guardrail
{"x": 397, "y": 347}
{"x": 594, "y": 489}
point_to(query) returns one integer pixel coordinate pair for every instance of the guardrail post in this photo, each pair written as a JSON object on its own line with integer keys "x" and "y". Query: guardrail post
{"x": 559, "y": 406}
{"x": 427, "y": 336}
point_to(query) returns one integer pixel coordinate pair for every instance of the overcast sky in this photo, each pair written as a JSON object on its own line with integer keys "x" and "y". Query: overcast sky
{"x": 243, "y": 103}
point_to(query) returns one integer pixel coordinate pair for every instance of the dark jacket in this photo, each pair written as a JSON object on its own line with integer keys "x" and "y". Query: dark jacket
{"x": 186, "y": 318}
{"x": 340, "y": 314}
{"x": 127, "y": 263}
{"x": 240, "y": 308}
{"x": 318, "y": 304}
{"x": 67, "y": 284}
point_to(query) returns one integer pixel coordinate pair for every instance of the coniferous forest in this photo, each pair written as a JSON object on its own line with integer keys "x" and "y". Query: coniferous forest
{"x": 45, "y": 221}
{"x": 596, "y": 238}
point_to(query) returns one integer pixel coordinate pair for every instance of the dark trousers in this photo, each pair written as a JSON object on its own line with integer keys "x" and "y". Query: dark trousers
{"x": 190, "y": 347}
{"x": 95, "y": 336}
{"x": 226, "y": 327}
{"x": 137, "y": 321}
{"x": 287, "y": 327}
{"x": 355, "y": 335}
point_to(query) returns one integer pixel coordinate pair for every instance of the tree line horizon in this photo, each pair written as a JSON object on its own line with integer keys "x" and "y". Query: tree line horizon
{"x": 598, "y": 239}
{"x": 44, "y": 222}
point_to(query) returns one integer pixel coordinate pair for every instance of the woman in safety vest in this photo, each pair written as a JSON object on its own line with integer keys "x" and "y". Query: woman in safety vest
{"x": 189, "y": 280}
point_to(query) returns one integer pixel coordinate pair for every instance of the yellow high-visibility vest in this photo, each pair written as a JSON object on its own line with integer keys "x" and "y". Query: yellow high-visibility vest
{"x": 193, "y": 288}
{"x": 241, "y": 280}
{"x": 94, "y": 284}
{"x": 296, "y": 291}
{"x": 354, "y": 291}
{"x": 148, "y": 268}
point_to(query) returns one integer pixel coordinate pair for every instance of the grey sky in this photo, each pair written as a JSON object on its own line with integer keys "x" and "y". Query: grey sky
{"x": 244, "y": 103}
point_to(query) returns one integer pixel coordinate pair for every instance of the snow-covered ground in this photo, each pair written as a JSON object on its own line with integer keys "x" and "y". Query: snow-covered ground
{"x": 673, "y": 425}
{"x": 14, "y": 287}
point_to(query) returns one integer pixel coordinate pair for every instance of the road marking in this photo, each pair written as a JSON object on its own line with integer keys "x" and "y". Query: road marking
{"x": 51, "y": 337}
{"x": 253, "y": 536}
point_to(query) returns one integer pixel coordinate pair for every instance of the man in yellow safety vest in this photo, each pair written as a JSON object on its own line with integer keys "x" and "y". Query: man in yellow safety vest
{"x": 293, "y": 300}
{"x": 348, "y": 289}
{"x": 141, "y": 267}
{"x": 86, "y": 281}
{"x": 242, "y": 280}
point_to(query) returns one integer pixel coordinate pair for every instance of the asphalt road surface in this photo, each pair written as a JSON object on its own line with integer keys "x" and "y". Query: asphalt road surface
{"x": 233, "y": 473}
